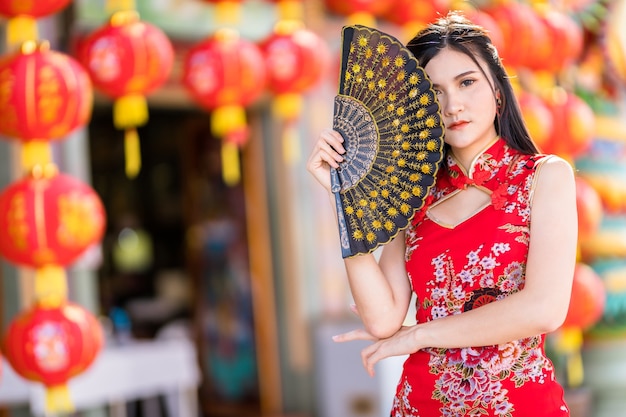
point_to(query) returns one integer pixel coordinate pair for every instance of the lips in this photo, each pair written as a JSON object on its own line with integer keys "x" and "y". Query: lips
{"x": 457, "y": 125}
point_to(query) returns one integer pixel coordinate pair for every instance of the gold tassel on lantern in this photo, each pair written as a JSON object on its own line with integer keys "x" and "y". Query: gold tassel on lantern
{"x": 21, "y": 29}
{"x": 50, "y": 286}
{"x": 227, "y": 12}
{"x": 58, "y": 399}
{"x": 224, "y": 121}
{"x": 290, "y": 10}
{"x": 288, "y": 107}
{"x": 569, "y": 343}
{"x": 35, "y": 152}
{"x": 129, "y": 112}
{"x": 113, "y": 6}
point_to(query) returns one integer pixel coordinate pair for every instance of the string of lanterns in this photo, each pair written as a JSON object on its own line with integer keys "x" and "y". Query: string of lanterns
{"x": 47, "y": 218}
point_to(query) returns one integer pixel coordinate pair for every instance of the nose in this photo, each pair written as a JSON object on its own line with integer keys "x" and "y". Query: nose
{"x": 451, "y": 104}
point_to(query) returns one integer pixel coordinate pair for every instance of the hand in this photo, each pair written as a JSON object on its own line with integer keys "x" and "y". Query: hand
{"x": 327, "y": 152}
{"x": 401, "y": 343}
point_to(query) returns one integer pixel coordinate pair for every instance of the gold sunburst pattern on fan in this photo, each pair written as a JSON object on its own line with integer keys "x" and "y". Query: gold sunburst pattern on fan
{"x": 389, "y": 117}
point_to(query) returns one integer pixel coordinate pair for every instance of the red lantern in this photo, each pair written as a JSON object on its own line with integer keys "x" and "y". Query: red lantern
{"x": 359, "y": 11}
{"x": 588, "y": 298}
{"x": 412, "y": 15}
{"x": 563, "y": 44}
{"x": 224, "y": 73}
{"x": 295, "y": 59}
{"x": 22, "y": 25}
{"x": 45, "y": 95}
{"x": 574, "y": 124}
{"x": 490, "y": 25}
{"x": 537, "y": 116}
{"x": 51, "y": 345}
{"x": 128, "y": 59}
{"x": 589, "y": 207}
{"x": 49, "y": 219}
{"x": 522, "y": 32}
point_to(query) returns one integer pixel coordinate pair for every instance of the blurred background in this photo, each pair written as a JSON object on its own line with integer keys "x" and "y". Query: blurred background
{"x": 165, "y": 252}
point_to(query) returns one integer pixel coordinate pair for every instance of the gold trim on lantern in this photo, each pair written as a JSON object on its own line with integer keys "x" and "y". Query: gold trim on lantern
{"x": 124, "y": 17}
{"x": 287, "y": 105}
{"x": 290, "y": 10}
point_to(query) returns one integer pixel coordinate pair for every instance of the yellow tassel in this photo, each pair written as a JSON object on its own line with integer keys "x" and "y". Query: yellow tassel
{"x": 227, "y": 12}
{"x": 569, "y": 343}
{"x": 113, "y": 6}
{"x": 50, "y": 286}
{"x": 58, "y": 400}
{"x": 36, "y": 152}
{"x": 361, "y": 18}
{"x": 130, "y": 111}
{"x": 226, "y": 119}
{"x": 291, "y": 144}
{"x": 21, "y": 29}
{"x": 230, "y": 163}
{"x": 132, "y": 150}
{"x": 290, "y": 10}
{"x": 287, "y": 106}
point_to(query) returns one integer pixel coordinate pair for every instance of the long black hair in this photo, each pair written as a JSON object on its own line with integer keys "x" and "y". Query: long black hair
{"x": 459, "y": 33}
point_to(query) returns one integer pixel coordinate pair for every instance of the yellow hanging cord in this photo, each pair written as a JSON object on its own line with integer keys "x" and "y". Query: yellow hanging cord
{"x": 132, "y": 151}
{"x": 36, "y": 152}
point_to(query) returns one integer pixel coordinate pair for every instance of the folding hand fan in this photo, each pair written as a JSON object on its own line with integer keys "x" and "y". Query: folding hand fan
{"x": 389, "y": 117}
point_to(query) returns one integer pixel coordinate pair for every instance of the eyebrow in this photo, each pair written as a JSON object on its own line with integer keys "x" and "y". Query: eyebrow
{"x": 459, "y": 76}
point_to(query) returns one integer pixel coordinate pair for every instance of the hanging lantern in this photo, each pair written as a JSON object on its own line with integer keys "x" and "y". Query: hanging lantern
{"x": 413, "y": 15}
{"x": 295, "y": 58}
{"x": 46, "y": 95}
{"x": 563, "y": 43}
{"x": 51, "y": 345}
{"x": 537, "y": 116}
{"x": 127, "y": 59}
{"x": 589, "y": 207}
{"x": 226, "y": 11}
{"x": 48, "y": 219}
{"x": 490, "y": 25}
{"x": 289, "y": 9}
{"x": 574, "y": 124}
{"x": 522, "y": 32}
{"x": 362, "y": 12}
{"x": 586, "y": 307}
{"x": 224, "y": 73}
{"x": 22, "y": 15}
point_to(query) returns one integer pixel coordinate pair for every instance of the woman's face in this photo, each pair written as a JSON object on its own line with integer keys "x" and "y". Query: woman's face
{"x": 467, "y": 101}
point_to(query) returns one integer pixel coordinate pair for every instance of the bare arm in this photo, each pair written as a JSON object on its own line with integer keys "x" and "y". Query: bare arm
{"x": 381, "y": 289}
{"x": 539, "y": 308}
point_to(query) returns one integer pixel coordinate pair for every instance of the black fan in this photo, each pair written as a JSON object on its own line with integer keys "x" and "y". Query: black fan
{"x": 389, "y": 117}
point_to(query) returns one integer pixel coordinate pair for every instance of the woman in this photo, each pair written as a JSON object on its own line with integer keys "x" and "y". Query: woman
{"x": 490, "y": 258}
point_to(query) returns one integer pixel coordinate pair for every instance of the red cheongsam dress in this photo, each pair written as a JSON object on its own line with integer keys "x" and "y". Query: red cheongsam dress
{"x": 458, "y": 268}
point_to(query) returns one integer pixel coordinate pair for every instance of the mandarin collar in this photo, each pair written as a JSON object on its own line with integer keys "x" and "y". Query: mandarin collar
{"x": 484, "y": 166}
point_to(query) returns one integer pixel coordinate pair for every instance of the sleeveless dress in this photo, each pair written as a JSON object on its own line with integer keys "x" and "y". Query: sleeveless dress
{"x": 458, "y": 268}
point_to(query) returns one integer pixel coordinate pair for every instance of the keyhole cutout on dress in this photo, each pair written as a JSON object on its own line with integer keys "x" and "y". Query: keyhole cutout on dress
{"x": 459, "y": 206}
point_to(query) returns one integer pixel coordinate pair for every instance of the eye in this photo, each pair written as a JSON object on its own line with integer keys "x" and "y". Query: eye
{"x": 467, "y": 82}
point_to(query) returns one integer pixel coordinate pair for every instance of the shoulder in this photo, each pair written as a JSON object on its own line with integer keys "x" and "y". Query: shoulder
{"x": 554, "y": 179}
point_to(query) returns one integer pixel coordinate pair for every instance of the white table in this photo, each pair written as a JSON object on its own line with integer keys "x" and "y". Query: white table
{"x": 139, "y": 370}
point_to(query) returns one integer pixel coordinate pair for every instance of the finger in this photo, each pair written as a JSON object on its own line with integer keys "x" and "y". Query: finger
{"x": 355, "y": 310}
{"x": 358, "y": 334}
{"x": 366, "y": 355}
{"x": 333, "y": 139}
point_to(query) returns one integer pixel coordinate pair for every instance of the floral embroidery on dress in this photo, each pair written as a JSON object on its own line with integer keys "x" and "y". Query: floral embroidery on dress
{"x": 454, "y": 270}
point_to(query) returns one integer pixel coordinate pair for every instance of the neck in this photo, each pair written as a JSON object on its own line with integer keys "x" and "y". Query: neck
{"x": 466, "y": 157}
